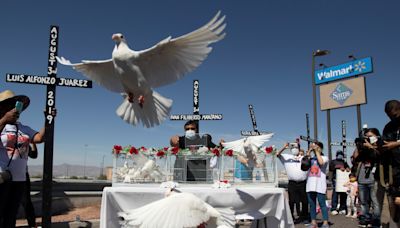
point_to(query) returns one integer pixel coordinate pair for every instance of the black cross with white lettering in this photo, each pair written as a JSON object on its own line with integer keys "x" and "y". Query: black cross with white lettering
{"x": 51, "y": 81}
{"x": 308, "y": 139}
{"x": 308, "y": 129}
{"x": 344, "y": 143}
{"x": 255, "y": 130}
{"x": 196, "y": 110}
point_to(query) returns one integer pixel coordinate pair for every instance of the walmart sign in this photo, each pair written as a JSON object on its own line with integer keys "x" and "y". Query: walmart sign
{"x": 353, "y": 68}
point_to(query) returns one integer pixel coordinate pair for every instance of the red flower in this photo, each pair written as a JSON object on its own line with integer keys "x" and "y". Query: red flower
{"x": 215, "y": 151}
{"x": 165, "y": 148}
{"x": 133, "y": 150}
{"x": 117, "y": 149}
{"x": 229, "y": 153}
{"x": 175, "y": 150}
{"x": 160, "y": 153}
{"x": 143, "y": 148}
{"x": 225, "y": 181}
{"x": 269, "y": 149}
{"x": 203, "y": 225}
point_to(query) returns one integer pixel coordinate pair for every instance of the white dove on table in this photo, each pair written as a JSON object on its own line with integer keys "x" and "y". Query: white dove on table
{"x": 248, "y": 147}
{"x": 134, "y": 74}
{"x": 177, "y": 210}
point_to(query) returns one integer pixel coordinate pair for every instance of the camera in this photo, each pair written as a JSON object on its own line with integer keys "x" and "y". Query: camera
{"x": 361, "y": 140}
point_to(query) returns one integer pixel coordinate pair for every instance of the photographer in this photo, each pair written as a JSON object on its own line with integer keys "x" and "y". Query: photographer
{"x": 14, "y": 149}
{"x": 366, "y": 155}
{"x": 316, "y": 183}
{"x": 391, "y": 153}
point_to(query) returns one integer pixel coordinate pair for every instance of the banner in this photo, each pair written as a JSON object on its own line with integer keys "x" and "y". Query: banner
{"x": 342, "y": 177}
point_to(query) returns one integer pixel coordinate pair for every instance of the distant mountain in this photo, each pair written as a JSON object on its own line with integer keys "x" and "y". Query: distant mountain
{"x": 66, "y": 170}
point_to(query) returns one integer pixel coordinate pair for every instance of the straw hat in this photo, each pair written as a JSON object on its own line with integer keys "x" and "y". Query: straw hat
{"x": 8, "y": 100}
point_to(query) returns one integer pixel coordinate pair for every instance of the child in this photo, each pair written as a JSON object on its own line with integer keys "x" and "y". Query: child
{"x": 352, "y": 192}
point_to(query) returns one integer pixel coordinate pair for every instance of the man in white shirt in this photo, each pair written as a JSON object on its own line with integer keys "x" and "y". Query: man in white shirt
{"x": 297, "y": 180}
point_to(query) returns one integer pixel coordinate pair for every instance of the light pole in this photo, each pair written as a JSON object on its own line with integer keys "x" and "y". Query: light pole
{"x": 314, "y": 54}
{"x": 102, "y": 167}
{"x": 84, "y": 162}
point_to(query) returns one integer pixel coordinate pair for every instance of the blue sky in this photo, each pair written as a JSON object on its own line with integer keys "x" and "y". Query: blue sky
{"x": 265, "y": 60}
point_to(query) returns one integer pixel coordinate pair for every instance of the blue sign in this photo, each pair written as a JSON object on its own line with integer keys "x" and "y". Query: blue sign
{"x": 353, "y": 68}
{"x": 341, "y": 93}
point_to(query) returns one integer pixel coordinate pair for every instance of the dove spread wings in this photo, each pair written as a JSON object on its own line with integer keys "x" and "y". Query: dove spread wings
{"x": 177, "y": 210}
{"x": 137, "y": 72}
{"x": 248, "y": 144}
{"x": 162, "y": 64}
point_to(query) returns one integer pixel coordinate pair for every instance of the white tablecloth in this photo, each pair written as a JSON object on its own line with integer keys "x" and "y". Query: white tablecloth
{"x": 248, "y": 202}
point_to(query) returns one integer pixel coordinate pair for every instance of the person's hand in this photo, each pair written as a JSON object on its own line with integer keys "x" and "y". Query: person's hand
{"x": 174, "y": 141}
{"x": 286, "y": 145}
{"x": 348, "y": 170}
{"x": 369, "y": 145}
{"x": 220, "y": 143}
{"x": 10, "y": 117}
{"x": 342, "y": 169}
{"x": 397, "y": 201}
{"x": 390, "y": 145}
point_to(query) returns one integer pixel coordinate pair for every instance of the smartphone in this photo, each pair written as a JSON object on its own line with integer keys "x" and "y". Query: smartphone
{"x": 18, "y": 106}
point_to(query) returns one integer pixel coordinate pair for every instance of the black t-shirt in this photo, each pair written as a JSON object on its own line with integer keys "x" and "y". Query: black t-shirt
{"x": 206, "y": 138}
{"x": 391, "y": 132}
{"x": 337, "y": 164}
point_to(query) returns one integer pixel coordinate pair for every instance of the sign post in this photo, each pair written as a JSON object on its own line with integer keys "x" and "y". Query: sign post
{"x": 196, "y": 109}
{"x": 51, "y": 81}
{"x": 255, "y": 130}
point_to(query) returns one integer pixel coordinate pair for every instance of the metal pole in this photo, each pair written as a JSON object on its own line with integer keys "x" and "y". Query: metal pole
{"x": 314, "y": 87}
{"x": 84, "y": 163}
{"x": 308, "y": 129}
{"x": 328, "y": 120}
{"x": 358, "y": 119}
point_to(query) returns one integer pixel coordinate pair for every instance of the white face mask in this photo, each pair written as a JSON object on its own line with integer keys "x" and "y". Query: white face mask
{"x": 294, "y": 151}
{"x": 373, "y": 139}
{"x": 190, "y": 134}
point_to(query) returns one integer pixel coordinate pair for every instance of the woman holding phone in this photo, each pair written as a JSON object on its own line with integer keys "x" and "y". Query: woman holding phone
{"x": 14, "y": 149}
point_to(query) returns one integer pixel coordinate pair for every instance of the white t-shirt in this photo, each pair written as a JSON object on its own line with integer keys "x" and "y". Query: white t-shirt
{"x": 292, "y": 166}
{"x": 316, "y": 177}
{"x": 18, "y": 165}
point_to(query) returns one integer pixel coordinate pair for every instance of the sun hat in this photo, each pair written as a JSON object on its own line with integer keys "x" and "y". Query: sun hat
{"x": 8, "y": 100}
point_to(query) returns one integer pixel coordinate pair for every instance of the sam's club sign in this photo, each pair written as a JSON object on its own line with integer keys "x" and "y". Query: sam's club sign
{"x": 353, "y": 68}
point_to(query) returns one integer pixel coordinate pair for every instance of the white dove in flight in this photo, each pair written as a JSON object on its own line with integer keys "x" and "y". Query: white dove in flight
{"x": 177, "y": 210}
{"x": 248, "y": 146}
{"x": 134, "y": 74}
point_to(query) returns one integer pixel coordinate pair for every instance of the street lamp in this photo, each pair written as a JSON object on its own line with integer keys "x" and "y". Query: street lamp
{"x": 84, "y": 162}
{"x": 315, "y": 54}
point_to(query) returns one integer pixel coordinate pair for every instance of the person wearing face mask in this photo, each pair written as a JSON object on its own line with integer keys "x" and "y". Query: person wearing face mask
{"x": 316, "y": 184}
{"x": 391, "y": 151}
{"x": 367, "y": 156}
{"x": 338, "y": 164}
{"x": 191, "y": 134}
{"x": 297, "y": 181}
{"x": 14, "y": 149}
